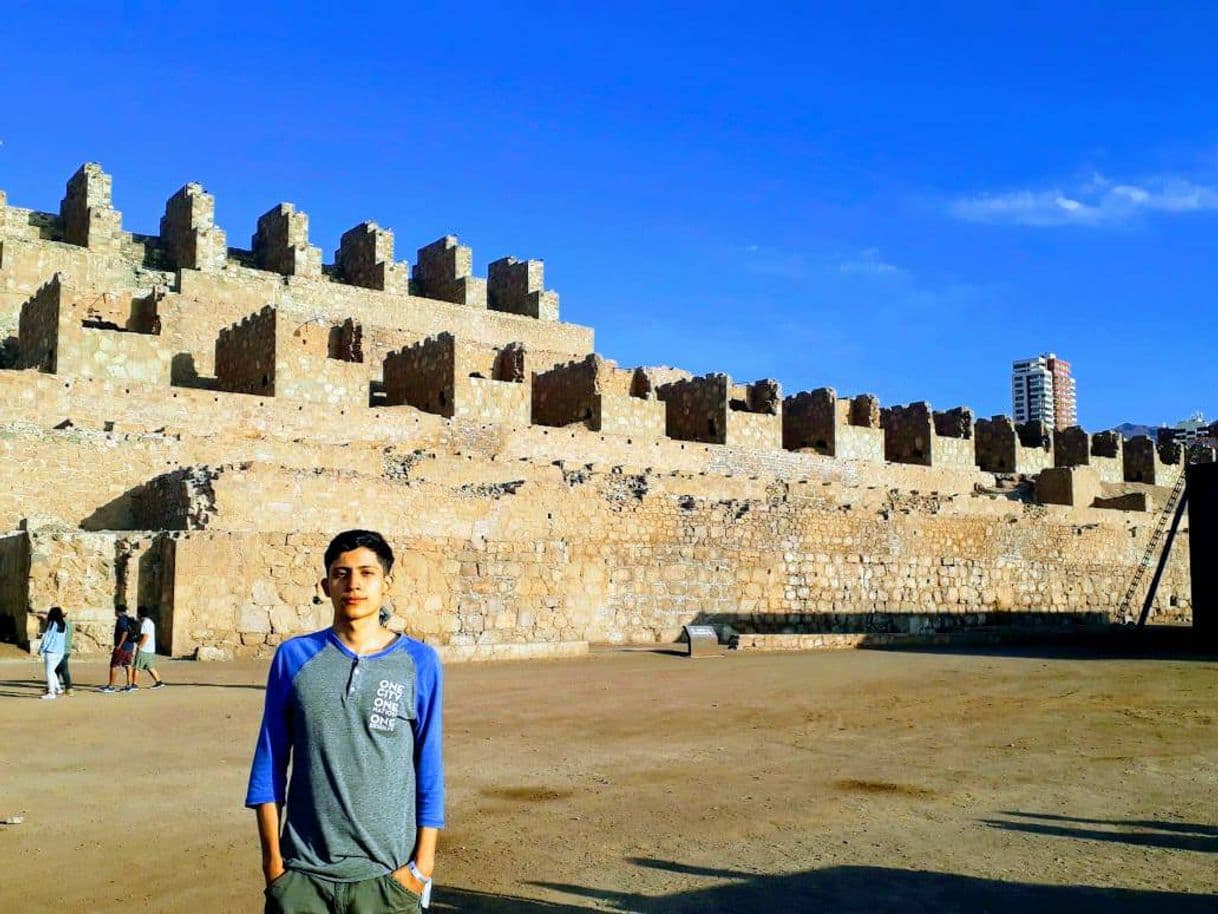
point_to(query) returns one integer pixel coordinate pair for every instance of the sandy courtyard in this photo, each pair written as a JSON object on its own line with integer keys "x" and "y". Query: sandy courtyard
{"x": 861, "y": 781}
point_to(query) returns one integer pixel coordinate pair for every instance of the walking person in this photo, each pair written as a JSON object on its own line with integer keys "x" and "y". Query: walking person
{"x": 125, "y": 629}
{"x": 145, "y": 652}
{"x": 52, "y": 650}
{"x": 64, "y": 671}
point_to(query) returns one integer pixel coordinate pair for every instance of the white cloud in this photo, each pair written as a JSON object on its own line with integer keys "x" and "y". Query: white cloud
{"x": 798, "y": 265}
{"x": 1094, "y": 202}
{"x": 867, "y": 262}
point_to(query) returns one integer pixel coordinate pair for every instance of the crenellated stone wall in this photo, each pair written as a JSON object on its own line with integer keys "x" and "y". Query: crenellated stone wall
{"x": 187, "y": 407}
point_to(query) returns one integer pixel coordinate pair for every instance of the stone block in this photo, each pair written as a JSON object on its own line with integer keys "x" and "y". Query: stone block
{"x": 1077, "y": 486}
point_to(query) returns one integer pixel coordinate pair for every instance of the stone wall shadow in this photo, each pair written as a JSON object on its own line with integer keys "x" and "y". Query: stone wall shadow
{"x": 840, "y": 889}
{"x": 184, "y": 373}
{"x": 116, "y": 514}
{"x": 1023, "y": 634}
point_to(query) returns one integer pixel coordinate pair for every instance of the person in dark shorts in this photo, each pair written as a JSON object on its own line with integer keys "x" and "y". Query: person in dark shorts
{"x": 355, "y": 712}
{"x": 125, "y": 636}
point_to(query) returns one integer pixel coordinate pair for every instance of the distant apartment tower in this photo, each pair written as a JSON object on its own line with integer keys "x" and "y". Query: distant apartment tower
{"x": 1042, "y": 390}
{"x": 1186, "y": 431}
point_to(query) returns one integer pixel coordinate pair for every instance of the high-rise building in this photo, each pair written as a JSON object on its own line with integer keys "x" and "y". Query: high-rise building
{"x": 1042, "y": 390}
{"x": 1065, "y": 406}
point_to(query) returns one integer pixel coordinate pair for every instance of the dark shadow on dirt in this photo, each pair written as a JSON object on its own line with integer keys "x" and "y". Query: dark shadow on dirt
{"x": 1179, "y": 836}
{"x": 841, "y": 889}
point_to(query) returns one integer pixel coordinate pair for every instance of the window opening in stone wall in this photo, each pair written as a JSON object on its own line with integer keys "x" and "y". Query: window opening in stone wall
{"x": 346, "y": 342}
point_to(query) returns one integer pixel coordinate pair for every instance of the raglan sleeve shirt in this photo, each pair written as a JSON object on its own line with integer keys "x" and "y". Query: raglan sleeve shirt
{"x": 269, "y": 772}
{"x": 428, "y": 743}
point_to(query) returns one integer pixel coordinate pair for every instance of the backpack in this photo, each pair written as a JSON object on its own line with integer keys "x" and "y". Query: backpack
{"x": 133, "y": 633}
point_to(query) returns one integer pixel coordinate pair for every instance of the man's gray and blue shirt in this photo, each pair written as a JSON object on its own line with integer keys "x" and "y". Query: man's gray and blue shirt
{"x": 363, "y": 736}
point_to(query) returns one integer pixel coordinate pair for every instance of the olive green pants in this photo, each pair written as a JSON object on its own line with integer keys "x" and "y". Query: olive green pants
{"x": 300, "y": 893}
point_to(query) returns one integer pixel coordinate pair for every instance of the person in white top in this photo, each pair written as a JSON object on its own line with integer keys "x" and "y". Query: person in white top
{"x": 145, "y": 653}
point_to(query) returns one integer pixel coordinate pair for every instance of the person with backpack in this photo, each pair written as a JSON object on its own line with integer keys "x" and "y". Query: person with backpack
{"x": 125, "y": 636}
{"x": 51, "y": 647}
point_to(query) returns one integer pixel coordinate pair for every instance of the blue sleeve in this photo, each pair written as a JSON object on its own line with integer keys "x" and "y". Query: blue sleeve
{"x": 269, "y": 772}
{"x": 429, "y": 740}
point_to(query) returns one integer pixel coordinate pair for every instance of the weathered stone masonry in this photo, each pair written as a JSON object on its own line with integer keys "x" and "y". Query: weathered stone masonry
{"x": 173, "y": 406}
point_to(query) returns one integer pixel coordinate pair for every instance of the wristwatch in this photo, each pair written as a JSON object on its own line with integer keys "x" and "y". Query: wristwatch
{"x": 425, "y": 895}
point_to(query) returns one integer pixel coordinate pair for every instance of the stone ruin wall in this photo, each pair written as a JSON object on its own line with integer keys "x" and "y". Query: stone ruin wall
{"x": 555, "y": 499}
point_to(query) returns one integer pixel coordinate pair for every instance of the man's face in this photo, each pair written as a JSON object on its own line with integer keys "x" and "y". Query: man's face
{"x": 356, "y": 584}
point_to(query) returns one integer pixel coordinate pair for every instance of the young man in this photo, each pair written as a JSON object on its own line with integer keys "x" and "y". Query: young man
{"x": 145, "y": 652}
{"x": 124, "y": 641}
{"x": 356, "y": 709}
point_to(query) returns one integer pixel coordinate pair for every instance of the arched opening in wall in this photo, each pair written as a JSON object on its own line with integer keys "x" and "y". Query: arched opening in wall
{"x": 476, "y": 374}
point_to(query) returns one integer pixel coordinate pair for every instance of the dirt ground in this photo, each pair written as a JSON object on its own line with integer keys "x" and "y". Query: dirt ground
{"x": 866, "y": 781}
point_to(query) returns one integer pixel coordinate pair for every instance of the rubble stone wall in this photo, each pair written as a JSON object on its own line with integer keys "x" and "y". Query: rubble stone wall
{"x": 696, "y": 408}
{"x": 245, "y": 355}
{"x": 423, "y": 375}
{"x": 859, "y": 443}
{"x": 623, "y": 564}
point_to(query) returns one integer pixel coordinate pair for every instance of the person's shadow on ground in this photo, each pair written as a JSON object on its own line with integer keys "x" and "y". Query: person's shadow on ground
{"x": 843, "y": 890}
{"x": 1179, "y": 836}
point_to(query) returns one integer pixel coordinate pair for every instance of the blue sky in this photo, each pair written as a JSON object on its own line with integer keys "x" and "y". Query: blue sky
{"x": 894, "y": 198}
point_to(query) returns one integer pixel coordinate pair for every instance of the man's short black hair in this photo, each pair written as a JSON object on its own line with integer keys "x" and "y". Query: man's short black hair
{"x": 360, "y": 539}
{"x": 121, "y": 608}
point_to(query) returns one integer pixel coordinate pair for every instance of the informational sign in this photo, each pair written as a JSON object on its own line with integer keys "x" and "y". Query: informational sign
{"x": 703, "y": 640}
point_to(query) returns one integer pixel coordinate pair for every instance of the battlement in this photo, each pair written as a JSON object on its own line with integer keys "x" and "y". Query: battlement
{"x": 917, "y": 434}
{"x": 599, "y": 395}
{"x": 91, "y": 336}
{"x": 713, "y": 409}
{"x": 848, "y": 428}
{"x": 1004, "y": 447}
{"x": 452, "y": 378}
{"x": 1143, "y": 462}
{"x": 518, "y": 287}
{"x": 189, "y": 239}
{"x": 365, "y": 258}
{"x": 1075, "y": 447}
{"x": 274, "y": 354}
